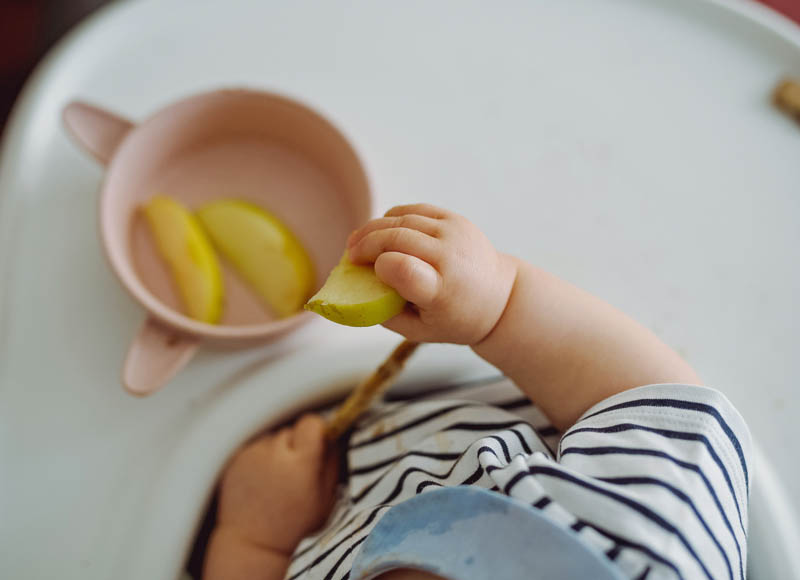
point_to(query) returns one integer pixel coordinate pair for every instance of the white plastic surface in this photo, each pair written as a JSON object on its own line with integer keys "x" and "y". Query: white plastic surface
{"x": 627, "y": 145}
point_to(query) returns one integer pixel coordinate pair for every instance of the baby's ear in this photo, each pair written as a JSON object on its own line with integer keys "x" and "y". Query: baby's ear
{"x": 414, "y": 279}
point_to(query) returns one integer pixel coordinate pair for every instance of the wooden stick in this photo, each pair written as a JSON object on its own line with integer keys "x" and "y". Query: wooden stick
{"x": 365, "y": 393}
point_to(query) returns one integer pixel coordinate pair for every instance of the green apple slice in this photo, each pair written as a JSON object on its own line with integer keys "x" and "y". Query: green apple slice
{"x": 182, "y": 243}
{"x": 265, "y": 253}
{"x": 353, "y": 295}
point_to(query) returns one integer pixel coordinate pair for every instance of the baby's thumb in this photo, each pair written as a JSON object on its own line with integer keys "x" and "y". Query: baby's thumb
{"x": 414, "y": 279}
{"x": 308, "y": 435}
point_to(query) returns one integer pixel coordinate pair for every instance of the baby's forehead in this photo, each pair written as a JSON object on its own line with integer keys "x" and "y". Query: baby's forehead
{"x": 469, "y": 533}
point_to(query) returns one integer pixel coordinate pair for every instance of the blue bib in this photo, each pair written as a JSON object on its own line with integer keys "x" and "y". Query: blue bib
{"x": 469, "y": 533}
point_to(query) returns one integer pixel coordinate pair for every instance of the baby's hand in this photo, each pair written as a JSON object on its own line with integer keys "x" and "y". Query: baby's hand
{"x": 444, "y": 266}
{"x": 279, "y": 488}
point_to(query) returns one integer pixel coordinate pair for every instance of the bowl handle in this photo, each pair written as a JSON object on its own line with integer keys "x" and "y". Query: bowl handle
{"x": 155, "y": 355}
{"x": 96, "y": 130}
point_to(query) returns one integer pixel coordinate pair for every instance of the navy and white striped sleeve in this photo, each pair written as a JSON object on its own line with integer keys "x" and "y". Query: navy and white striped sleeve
{"x": 663, "y": 470}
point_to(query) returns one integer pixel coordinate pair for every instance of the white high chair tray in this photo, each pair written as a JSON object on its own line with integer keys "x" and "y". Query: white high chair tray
{"x": 627, "y": 145}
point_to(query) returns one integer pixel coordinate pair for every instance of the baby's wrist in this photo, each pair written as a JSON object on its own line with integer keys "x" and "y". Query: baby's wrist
{"x": 275, "y": 543}
{"x": 261, "y": 541}
{"x": 508, "y": 274}
{"x": 233, "y": 556}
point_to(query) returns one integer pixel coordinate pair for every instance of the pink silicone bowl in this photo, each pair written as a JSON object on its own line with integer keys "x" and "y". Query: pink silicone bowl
{"x": 242, "y": 144}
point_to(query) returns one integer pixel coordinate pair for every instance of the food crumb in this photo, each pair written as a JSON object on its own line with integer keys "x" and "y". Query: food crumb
{"x": 786, "y": 97}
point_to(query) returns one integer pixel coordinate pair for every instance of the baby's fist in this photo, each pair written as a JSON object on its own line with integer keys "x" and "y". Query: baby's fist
{"x": 444, "y": 266}
{"x": 280, "y": 487}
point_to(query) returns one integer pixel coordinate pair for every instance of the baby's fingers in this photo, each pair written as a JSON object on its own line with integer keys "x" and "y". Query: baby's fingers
{"x": 414, "y": 279}
{"x": 407, "y": 324}
{"x": 403, "y": 240}
{"x": 423, "y": 224}
{"x": 424, "y": 209}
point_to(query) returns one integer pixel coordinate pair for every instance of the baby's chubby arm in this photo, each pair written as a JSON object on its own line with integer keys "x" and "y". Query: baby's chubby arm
{"x": 566, "y": 349}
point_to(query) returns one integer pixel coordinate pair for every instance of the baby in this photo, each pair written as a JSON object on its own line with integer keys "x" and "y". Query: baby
{"x": 624, "y": 468}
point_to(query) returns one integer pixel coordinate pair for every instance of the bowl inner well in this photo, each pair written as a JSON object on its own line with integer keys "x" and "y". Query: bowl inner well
{"x": 246, "y": 145}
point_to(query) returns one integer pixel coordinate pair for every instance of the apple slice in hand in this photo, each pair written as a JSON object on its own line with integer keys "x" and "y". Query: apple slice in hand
{"x": 264, "y": 252}
{"x": 184, "y": 246}
{"x": 353, "y": 295}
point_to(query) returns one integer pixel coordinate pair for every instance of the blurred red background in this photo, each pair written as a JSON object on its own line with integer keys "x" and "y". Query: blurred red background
{"x": 29, "y": 27}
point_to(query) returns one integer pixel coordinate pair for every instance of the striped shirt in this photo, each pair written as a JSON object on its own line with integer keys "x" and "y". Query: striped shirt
{"x": 655, "y": 477}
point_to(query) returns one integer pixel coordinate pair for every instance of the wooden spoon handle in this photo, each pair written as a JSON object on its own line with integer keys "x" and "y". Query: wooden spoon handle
{"x": 365, "y": 393}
